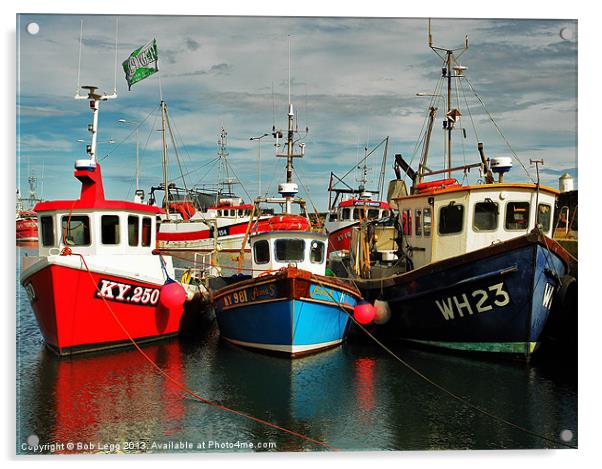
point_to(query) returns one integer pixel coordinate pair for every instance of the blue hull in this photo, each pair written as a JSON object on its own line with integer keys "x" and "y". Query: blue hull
{"x": 494, "y": 300}
{"x": 275, "y": 322}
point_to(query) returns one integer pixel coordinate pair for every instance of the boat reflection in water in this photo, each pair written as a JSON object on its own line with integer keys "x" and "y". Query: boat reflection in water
{"x": 354, "y": 397}
{"x": 108, "y": 399}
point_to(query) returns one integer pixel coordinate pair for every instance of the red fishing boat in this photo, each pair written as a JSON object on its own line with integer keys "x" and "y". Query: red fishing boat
{"x": 349, "y": 207}
{"x": 26, "y": 218}
{"x": 96, "y": 282}
{"x": 27, "y": 226}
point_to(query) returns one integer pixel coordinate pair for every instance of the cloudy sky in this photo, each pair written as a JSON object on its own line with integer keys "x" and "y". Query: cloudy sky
{"x": 354, "y": 82}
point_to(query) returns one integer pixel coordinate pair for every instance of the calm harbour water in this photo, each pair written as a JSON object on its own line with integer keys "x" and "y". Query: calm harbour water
{"x": 354, "y": 397}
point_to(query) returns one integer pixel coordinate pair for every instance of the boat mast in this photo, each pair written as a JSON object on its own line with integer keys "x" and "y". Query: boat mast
{"x": 289, "y": 189}
{"x": 449, "y": 71}
{"x": 165, "y": 172}
{"x": 425, "y": 150}
{"x": 95, "y": 100}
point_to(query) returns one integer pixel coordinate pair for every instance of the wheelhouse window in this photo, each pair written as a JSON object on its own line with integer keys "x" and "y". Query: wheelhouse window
{"x": 47, "y": 223}
{"x": 109, "y": 227}
{"x": 76, "y": 230}
{"x": 427, "y": 222}
{"x": 316, "y": 254}
{"x": 357, "y": 213}
{"x": 517, "y": 215}
{"x": 147, "y": 224}
{"x": 261, "y": 251}
{"x": 133, "y": 229}
{"x": 451, "y": 218}
{"x": 346, "y": 214}
{"x": 334, "y": 216}
{"x": 373, "y": 213}
{"x": 418, "y": 219}
{"x": 290, "y": 250}
{"x": 486, "y": 216}
{"x": 544, "y": 216}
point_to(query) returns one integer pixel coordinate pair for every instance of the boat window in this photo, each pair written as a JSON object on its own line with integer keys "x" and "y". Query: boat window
{"x": 240, "y": 212}
{"x": 261, "y": 251}
{"x": 333, "y": 216}
{"x": 109, "y": 228}
{"x": 133, "y": 230}
{"x": 346, "y": 214}
{"x": 451, "y": 218}
{"x": 517, "y": 215}
{"x": 544, "y": 213}
{"x": 373, "y": 213}
{"x": 385, "y": 214}
{"x": 47, "y": 223}
{"x": 147, "y": 224}
{"x": 290, "y": 250}
{"x": 486, "y": 216}
{"x": 426, "y": 222}
{"x": 316, "y": 255}
{"x": 219, "y": 213}
{"x": 418, "y": 222}
{"x": 357, "y": 212}
{"x": 76, "y": 230}
{"x": 407, "y": 222}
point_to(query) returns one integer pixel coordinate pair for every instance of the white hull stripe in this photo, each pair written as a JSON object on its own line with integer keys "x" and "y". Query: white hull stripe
{"x": 285, "y": 348}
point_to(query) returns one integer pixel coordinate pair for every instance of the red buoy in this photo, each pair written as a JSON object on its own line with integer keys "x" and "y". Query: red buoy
{"x": 364, "y": 312}
{"x": 172, "y": 295}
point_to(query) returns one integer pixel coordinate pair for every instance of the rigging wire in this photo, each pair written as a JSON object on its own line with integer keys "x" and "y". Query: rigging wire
{"x": 175, "y": 148}
{"x": 183, "y": 387}
{"x": 134, "y": 128}
{"x": 499, "y": 131}
{"x": 474, "y": 128}
{"x": 298, "y": 174}
{"x": 440, "y": 387}
{"x": 227, "y": 164}
{"x": 457, "y": 96}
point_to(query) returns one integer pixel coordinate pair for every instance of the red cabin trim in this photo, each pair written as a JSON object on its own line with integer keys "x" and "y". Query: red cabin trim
{"x": 93, "y": 197}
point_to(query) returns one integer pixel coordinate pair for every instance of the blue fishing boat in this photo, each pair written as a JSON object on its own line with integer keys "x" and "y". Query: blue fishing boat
{"x": 461, "y": 266}
{"x": 288, "y": 305}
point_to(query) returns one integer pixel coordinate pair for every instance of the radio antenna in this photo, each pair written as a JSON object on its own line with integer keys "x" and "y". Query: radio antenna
{"x": 116, "y": 35}
{"x": 79, "y": 61}
{"x": 289, "y": 69}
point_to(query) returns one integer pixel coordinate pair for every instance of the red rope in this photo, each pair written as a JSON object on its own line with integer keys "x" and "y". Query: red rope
{"x": 185, "y": 388}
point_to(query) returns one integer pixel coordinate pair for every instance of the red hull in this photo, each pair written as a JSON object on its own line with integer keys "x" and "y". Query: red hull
{"x": 340, "y": 240}
{"x": 27, "y": 230}
{"x": 73, "y": 318}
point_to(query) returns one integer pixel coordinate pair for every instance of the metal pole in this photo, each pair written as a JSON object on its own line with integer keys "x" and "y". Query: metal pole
{"x": 137, "y": 162}
{"x": 449, "y": 101}
{"x": 165, "y": 172}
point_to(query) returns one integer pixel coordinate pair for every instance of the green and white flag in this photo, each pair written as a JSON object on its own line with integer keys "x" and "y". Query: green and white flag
{"x": 141, "y": 63}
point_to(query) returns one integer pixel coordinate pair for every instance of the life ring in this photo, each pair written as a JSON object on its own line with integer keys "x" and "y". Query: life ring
{"x": 426, "y": 186}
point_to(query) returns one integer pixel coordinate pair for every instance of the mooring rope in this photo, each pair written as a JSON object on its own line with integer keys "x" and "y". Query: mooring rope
{"x": 185, "y": 388}
{"x": 441, "y": 387}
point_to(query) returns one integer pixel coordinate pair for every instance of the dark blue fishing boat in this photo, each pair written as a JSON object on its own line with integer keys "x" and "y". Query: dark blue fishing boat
{"x": 465, "y": 267}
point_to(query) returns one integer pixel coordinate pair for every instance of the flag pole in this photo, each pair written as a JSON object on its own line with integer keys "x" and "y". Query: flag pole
{"x": 160, "y": 85}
